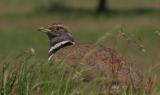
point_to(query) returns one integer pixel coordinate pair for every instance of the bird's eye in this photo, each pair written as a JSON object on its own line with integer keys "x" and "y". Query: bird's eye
{"x": 57, "y": 28}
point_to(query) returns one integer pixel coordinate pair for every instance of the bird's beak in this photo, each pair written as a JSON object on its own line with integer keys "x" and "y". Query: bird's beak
{"x": 42, "y": 29}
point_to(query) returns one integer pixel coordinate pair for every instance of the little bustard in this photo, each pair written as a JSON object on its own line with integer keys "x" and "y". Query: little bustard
{"x": 101, "y": 60}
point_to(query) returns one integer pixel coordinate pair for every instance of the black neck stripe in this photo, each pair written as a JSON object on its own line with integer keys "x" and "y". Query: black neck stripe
{"x": 56, "y": 49}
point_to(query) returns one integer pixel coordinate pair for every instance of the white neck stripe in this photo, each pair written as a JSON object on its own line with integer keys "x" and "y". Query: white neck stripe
{"x": 57, "y": 46}
{"x": 49, "y": 58}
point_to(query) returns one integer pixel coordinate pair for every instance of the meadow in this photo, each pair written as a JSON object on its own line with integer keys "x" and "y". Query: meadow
{"x": 25, "y": 73}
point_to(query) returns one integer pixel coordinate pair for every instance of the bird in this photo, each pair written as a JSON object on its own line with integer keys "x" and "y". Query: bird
{"x": 99, "y": 60}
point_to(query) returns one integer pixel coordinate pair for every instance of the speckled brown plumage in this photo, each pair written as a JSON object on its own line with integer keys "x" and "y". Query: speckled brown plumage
{"x": 104, "y": 61}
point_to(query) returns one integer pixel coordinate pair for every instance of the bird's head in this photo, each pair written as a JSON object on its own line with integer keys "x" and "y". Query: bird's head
{"x": 59, "y": 36}
{"x": 57, "y": 30}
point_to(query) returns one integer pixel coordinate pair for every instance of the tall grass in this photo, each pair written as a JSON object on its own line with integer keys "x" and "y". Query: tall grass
{"x": 26, "y": 75}
{"x": 22, "y": 75}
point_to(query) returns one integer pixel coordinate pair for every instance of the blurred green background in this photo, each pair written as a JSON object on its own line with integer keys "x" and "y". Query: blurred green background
{"x": 20, "y": 19}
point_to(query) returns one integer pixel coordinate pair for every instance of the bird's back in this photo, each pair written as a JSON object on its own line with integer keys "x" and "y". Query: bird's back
{"x": 100, "y": 60}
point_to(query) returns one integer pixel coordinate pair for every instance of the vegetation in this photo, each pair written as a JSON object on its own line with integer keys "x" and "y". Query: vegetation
{"x": 28, "y": 74}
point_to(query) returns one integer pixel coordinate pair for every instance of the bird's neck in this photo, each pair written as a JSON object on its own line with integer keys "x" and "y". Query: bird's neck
{"x": 57, "y": 46}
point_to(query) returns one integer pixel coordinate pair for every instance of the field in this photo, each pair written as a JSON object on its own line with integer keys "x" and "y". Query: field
{"x": 19, "y": 21}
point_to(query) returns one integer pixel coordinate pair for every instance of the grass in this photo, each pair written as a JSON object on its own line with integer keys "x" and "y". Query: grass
{"x": 27, "y": 74}
{"x": 31, "y": 77}
{"x": 42, "y": 78}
